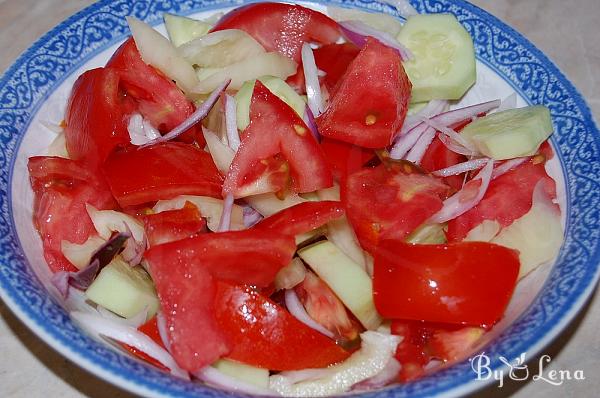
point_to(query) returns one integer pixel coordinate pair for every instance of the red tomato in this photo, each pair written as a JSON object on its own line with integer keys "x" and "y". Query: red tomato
{"x": 345, "y": 158}
{"x": 162, "y": 171}
{"x": 507, "y": 198}
{"x": 281, "y": 27}
{"x": 333, "y": 59}
{"x": 389, "y": 202}
{"x": 411, "y": 352}
{"x": 268, "y": 336}
{"x": 96, "y": 117}
{"x": 303, "y": 217}
{"x": 251, "y": 256}
{"x": 438, "y": 157}
{"x": 370, "y": 101}
{"x": 463, "y": 283}
{"x": 187, "y": 299}
{"x": 172, "y": 225}
{"x": 275, "y": 129}
{"x": 158, "y": 98}
{"x": 150, "y": 329}
{"x": 61, "y": 188}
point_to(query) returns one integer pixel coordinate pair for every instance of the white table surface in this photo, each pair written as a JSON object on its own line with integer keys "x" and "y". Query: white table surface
{"x": 567, "y": 31}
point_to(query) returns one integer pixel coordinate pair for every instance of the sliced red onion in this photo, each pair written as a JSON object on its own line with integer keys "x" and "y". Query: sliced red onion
{"x": 225, "y": 222}
{"x": 233, "y": 137}
{"x": 433, "y": 107}
{"x": 216, "y": 378}
{"x": 134, "y": 250}
{"x": 141, "y": 130}
{"x": 251, "y": 216}
{"x": 509, "y": 102}
{"x": 311, "y": 78}
{"x": 461, "y": 167}
{"x": 130, "y": 336}
{"x": 451, "y": 133}
{"x": 467, "y": 198}
{"x": 417, "y": 152}
{"x": 295, "y": 307}
{"x": 296, "y": 376}
{"x": 357, "y": 32}
{"x": 406, "y": 141}
{"x": 309, "y": 120}
{"x": 161, "y": 324}
{"x": 194, "y": 118}
{"x": 454, "y": 147}
{"x": 83, "y": 278}
{"x": 508, "y": 165}
{"x": 388, "y": 374}
{"x": 405, "y": 9}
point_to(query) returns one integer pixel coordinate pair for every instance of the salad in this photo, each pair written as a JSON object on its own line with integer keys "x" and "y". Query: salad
{"x": 279, "y": 202}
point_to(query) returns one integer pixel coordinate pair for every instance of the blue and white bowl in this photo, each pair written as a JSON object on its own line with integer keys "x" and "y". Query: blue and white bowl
{"x": 33, "y": 90}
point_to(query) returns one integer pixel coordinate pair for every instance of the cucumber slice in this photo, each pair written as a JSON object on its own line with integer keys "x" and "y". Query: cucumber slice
{"x": 184, "y": 29}
{"x": 247, "y": 373}
{"x": 428, "y": 234}
{"x": 277, "y": 87}
{"x": 346, "y": 278}
{"x": 443, "y": 66}
{"x": 124, "y": 290}
{"x": 511, "y": 133}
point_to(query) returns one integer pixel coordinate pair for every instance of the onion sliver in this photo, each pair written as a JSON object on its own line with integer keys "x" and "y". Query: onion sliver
{"x": 451, "y": 133}
{"x": 216, "y": 378}
{"x": 357, "y": 31}
{"x": 418, "y": 150}
{"x": 508, "y": 165}
{"x": 406, "y": 141}
{"x": 295, "y": 307}
{"x": 251, "y": 216}
{"x": 194, "y": 118}
{"x": 454, "y": 147}
{"x": 433, "y": 107}
{"x": 387, "y": 375}
{"x": 461, "y": 167}
{"x": 130, "y": 336}
{"x": 225, "y": 222}
{"x": 311, "y": 77}
{"x": 467, "y": 198}
{"x": 161, "y": 325}
{"x": 404, "y": 7}
{"x": 309, "y": 120}
{"x": 233, "y": 137}
{"x": 140, "y": 130}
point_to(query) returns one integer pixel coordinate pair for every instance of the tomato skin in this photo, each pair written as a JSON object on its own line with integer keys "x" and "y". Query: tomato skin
{"x": 390, "y": 201}
{"x": 250, "y": 256}
{"x": 61, "y": 188}
{"x": 268, "y": 336}
{"x": 507, "y": 198}
{"x": 462, "y": 283}
{"x": 303, "y": 217}
{"x": 281, "y": 27}
{"x": 187, "y": 299}
{"x": 173, "y": 225}
{"x": 158, "y": 99}
{"x": 371, "y": 99}
{"x": 96, "y": 117}
{"x": 276, "y": 130}
{"x": 162, "y": 171}
{"x": 344, "y": 158}
{"x": 333, "y": 59}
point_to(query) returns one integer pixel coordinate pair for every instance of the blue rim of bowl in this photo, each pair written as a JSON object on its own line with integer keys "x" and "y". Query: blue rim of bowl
{"x": 570, "y": 283}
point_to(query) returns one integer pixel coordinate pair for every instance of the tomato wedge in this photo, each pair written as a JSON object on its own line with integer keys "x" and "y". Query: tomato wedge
{"x": 172, "y": 225}
{"x": 61, "y": 189}
{"x": 438, "y": 157}
{"x": 390, "y": 201}
{"x": 334, "y": 59}
{"x": 187, "y": 299}
{"x": 276, "y": 130}
{"x": 251, "y": 257}
{"x": 281, "y": 27}
{"x": 345, "y": 158}
{"x": 371, "y": 99}
{"x": 507, "y": 198}
{"x": 158, "y": 98}
{"x": 462, "y": 283}
{"x": 96, "y": 117}
{"x": 303, "y": 217}
{"x": 268, "y": 336}
{"x": 162, "y": 171}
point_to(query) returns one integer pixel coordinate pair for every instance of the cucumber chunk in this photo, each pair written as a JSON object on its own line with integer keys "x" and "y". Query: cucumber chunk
{"x": 511, "y": 133}
{"x": 428, "y": 234}
{"x": 184, "y": 29}
{"x": 247, "y": 373}
{"x": 443, "y": 66}
{"x": 277, "y": 86}
{"x": 124, "y": 290}
{"x": 347, "y": 279}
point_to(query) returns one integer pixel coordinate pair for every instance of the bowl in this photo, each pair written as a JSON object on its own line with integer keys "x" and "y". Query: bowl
{"x": 33, "y": 90}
